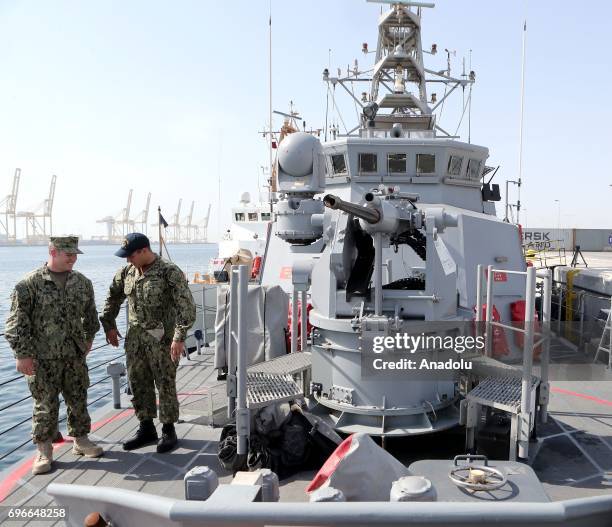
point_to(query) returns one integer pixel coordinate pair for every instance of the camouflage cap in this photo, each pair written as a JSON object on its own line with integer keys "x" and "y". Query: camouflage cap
{"x": 67, "y": 244}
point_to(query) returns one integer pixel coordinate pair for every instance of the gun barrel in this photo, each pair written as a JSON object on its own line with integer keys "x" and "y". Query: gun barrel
{"x": 368, "y": 214}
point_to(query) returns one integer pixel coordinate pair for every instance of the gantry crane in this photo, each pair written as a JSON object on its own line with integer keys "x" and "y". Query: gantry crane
{"x": 201, "y": 229}
{"x": 36, "y": 221}
{"x": 139, "y": 222}
{"x": 189, "y": 227}
{"x": 118, "y": 226}
{"x": 8, "y": 207}
{"x": 175, "y": 224}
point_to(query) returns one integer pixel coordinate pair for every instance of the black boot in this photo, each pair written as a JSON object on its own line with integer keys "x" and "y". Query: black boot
{"x": 168, "y": 439}
{"x": 145, "y": 435}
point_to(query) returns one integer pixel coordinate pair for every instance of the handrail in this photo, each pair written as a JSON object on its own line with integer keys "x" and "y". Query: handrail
{"x": 15, "y": 402}
{"x": 29, "y": 396}
{"x": 11, "y": 380}
{"x": 106, "y": 362}
{"x": 90, "y": 369}
{"x": 16, "y": 425}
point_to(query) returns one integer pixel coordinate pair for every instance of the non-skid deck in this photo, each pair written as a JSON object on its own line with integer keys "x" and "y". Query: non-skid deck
{"x": 143, "y": 469}
{"x": 573, "y": 457}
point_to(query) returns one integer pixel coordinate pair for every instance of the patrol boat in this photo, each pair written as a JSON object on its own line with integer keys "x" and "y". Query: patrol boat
{"x": 383, "y": 232}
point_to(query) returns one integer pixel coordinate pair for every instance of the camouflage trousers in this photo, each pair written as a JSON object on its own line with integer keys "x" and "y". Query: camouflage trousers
{"x": 68, "y": 376}
{"x": 149, "y": 365}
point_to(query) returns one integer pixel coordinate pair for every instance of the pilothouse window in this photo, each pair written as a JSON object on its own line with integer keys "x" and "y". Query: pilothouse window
{"x": 396, "y": 163}
{"x": 473, "y": 169}
{"x": 265, "y": 216}
{"x": 252, "y": 216}
{"x": 367, "y": 163}
{"x": 425, "y": 163}
{"x": 454, "y": 165}
{"x": 338, "y": 164}
{"x": 239, "y": 216}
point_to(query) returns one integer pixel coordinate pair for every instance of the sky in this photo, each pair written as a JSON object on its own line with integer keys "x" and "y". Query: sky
{"x": 171, "y": 98}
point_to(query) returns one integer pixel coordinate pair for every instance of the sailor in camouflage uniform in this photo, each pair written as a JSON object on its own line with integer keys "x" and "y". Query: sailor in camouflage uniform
{"x": 51, "y": 326}
{"x": 161, "y": 310}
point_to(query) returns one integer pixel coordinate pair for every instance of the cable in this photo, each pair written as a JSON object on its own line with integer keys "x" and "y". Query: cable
{"x": 463, "y": 113}
{"x": 105, "y": 362}
{"x": 338, "y": 112}
{"x": 11, "y": 380}
{"x": 15, "y": 402}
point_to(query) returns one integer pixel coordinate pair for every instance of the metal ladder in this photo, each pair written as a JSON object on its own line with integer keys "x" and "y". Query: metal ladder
{"x": 601, "y": 347}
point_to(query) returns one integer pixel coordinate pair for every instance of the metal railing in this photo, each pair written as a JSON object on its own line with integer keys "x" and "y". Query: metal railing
{"x": 29, "y": 440}
{"x": 578, "y": 321}
{"x": 14, "y": 426}
{"x": 545, "y": 257}
{"x": 528, "y": 330}
{"x": 29, "y": 418}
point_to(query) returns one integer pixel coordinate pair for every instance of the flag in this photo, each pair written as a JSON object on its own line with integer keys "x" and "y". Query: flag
{"x": 162, "y": 221}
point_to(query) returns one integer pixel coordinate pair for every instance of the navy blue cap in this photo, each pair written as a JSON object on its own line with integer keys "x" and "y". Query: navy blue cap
{"x": 132, "y": 242}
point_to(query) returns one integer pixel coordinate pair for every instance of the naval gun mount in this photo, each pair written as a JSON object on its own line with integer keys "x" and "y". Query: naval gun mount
{"x": 353, "y": 399}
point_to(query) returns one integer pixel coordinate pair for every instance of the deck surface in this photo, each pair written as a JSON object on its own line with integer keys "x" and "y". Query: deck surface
{"x": 573, "y": 456}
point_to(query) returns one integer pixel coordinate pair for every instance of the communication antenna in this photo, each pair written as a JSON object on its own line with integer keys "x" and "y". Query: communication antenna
{"x": 272, "y": 188}
{"x": 520, "y": 175}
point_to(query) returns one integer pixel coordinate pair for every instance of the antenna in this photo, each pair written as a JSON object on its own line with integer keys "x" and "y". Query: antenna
{"x": 520, "y": 175}
{"x": 272, "y": 188}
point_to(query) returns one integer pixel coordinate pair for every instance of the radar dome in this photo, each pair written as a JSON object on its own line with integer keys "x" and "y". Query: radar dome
{"x": 296, "y": 154}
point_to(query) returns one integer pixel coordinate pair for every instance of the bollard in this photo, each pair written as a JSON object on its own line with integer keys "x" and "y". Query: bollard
{"x": 269, "y": 487}
{"x": 200, "y": 483}
{"x": 326, "y": 494}
{"x": 412, "y": 488}
{"x": 116, "y": 370}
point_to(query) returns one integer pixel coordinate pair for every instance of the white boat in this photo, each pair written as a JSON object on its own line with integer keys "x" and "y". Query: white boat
{"x": 248, "y": 230}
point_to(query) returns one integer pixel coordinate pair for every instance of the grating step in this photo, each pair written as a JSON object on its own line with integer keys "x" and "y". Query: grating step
{"x": 503, "y": 393}
{"x": 266, "y": 388}
{"x": 291, "y": 364}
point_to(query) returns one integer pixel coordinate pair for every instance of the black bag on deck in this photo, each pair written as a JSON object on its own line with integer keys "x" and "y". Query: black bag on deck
{"x": 296, "y": 446}
{"x": 227, "y": 450}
